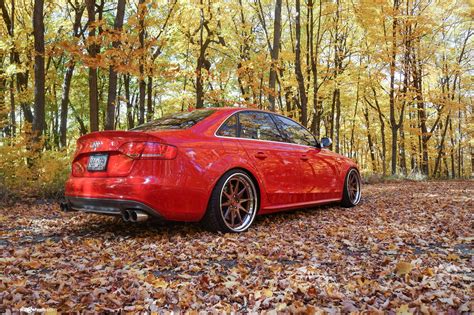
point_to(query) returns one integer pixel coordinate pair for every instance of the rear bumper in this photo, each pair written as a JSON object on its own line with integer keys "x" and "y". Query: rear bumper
{"x": 168, "y": 197}
{"x": 108, "y": 206}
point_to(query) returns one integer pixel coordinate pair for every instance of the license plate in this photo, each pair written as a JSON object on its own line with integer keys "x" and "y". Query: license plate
{"x": 97, "y": 162}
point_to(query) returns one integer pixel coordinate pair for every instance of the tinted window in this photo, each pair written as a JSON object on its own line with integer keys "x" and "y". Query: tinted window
{"x": 180, "y": 120}
{"x": 294, "y": 131}
{"x": 229, "y": 128}
{"x": 258, "y": 125}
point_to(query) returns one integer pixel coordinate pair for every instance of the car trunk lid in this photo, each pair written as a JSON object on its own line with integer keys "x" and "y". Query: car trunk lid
{"x": 112, "y": 153}
{"x": 107, "y": 141}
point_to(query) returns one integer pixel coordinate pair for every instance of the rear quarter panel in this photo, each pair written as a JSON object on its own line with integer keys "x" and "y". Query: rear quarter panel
{"x": 204, "y": 161}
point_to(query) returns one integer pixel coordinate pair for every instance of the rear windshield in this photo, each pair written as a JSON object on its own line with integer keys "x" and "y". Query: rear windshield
{"x": 180, "y": 120}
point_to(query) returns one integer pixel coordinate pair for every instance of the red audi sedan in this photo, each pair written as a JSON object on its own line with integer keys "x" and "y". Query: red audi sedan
{"x": 220, "y": 166}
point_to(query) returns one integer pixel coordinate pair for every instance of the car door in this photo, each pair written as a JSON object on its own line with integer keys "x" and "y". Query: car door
{"x": 326, "y": 183}
{"x": 276, "y": 160}
{"x": 318, "y": 165}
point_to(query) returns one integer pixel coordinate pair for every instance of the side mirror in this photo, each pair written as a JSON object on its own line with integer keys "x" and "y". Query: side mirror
{"x": 325, "y": 142}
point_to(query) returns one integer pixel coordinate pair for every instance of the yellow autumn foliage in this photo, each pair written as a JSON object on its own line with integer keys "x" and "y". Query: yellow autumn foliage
{"x": 25, "y": 172}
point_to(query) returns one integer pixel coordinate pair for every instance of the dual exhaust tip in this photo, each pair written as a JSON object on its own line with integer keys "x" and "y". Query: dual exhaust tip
{"x": 134, "y": 216}
{"x": 127, "y": 215}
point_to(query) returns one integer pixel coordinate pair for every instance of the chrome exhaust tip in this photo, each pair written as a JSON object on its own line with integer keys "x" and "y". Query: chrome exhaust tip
{"x": 138, "y": 216}
{"x": 126, "y": 215}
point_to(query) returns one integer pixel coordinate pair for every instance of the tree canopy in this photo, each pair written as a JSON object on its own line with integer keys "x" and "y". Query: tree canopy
{"x": 390, "y": 81}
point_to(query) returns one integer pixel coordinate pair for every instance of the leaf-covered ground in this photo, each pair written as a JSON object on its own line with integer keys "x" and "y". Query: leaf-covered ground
{"x": 407, "y": 248}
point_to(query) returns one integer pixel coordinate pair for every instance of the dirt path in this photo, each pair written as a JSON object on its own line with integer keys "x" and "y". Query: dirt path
{"x": 408, "y": 247}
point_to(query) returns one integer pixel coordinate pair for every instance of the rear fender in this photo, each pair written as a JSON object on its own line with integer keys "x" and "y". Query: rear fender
{"x": 237, "y": 162}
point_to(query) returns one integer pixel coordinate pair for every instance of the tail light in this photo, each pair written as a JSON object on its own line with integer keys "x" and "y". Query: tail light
{"x": 77, "y": 169}
{"x": 132, "y": 149}
{"x": 154, "y": 150}
{"x": 79, "y": 147}
{"x": 148, "y": 150}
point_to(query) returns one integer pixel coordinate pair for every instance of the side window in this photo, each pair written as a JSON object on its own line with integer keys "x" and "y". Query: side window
{"x": 229, "y": 128}
{"x": 258, "y": 125}
{"x": 294, "y": 131}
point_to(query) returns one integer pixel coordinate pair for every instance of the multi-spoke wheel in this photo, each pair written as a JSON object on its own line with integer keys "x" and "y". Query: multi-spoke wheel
{"x": 233, "y": 203}
{"x": 352, "y": 189}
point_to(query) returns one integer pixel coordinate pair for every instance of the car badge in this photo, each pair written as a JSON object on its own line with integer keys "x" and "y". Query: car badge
{"x": 94, "y": 145}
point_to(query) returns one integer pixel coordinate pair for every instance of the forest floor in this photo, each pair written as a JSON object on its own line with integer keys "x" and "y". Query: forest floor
{"x": 408, "y": 247}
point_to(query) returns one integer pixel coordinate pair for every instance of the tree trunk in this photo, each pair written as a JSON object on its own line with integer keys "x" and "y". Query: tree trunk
{"x": 12, "y": 108}
{"x": 394, "y": 149}
{"x": 472, "y": 160}
{"x": 336, "y": 99}
{"x": 333, "y": 112}
{"x": 299, "y": 72}
{"x": 453, "y": 148}
{"x": 21, "y": 77}
{"x": 117, "y": 109}
{"x": 67, "y": 81}
{"x": 275, "y": 51}
{"x": 460, "y": 151}
{"x": 64, "y": 104}
{"x": 441, "y": 146}
{"x": 201, "y": 61}
{"x": 369, "y": 140}
{"x": 422, "y": 121}
{"x": 199, "y": 83}
{"x": 39, "y": 91}
{"x": 130, "y": 121}
{"x": 317, "y": 104}
{"x": 10, "y": 28}
{"x": 141, "y": 101}
{"x": 403, "y": 159}
{"x": 93, "y": 87}
{"x": 338, "y": 119}
{"x": 384, "y": 146}
{"x": 382, "y": 130}
{"x": 149, "y": 103}
{"x": 80, "y": 121}
{"x": 142, "y": 83}
{"x": 309, "y": 15}
{"x": 355, "y": 111}
{"x": 244, "y": 50}
{"x": 393, "y": 124}
{"x": 212, "y": 36}
{"x": 112, "y": 92}
{"x": 3, "y": 104}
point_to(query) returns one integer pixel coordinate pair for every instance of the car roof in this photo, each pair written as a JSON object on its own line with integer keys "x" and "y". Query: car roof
{"x": 236, "y": 109}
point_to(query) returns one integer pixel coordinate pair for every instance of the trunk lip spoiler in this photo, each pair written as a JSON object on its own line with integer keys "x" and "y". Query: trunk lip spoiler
{"x": 117, "y": 133}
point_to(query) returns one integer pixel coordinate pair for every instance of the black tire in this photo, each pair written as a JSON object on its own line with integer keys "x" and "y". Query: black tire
{"x": 219, "y": 214}
{"x": 351, "y": 195}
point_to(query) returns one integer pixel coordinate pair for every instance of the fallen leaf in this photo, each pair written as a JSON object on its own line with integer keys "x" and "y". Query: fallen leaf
{"x": 404, "y": 310}
{"x": 453, "y": 257}
{"x": 34, "y": 264}
{"x": 267, "y": 292}
{"x": 403, "y": 268}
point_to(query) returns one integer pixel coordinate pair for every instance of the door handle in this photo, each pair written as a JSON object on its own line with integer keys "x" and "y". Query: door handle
{"x": 260, "y": 155}
{"x": 304, "y": 157}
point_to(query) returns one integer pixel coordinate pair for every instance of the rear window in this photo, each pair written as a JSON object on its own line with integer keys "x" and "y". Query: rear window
{"x": 180, "y": 120}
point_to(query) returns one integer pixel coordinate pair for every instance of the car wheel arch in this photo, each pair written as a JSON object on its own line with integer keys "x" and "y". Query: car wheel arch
{"x": 257, "y": 186}
{"x": 252, "y": 176}
{"x": 346, "y": 201}
{"x": 346, "y": 171}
